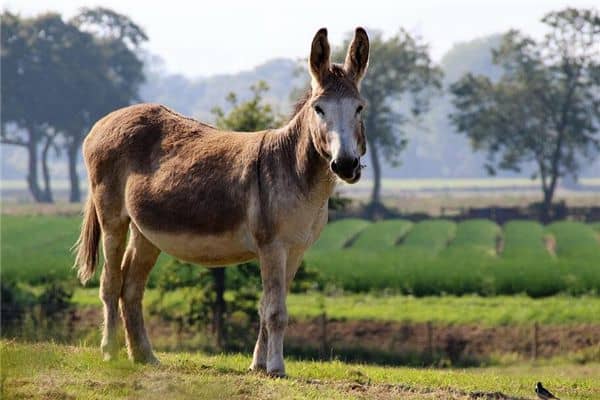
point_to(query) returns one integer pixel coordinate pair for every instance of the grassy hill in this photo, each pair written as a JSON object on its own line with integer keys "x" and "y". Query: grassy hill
{"x": 53, "y": 371}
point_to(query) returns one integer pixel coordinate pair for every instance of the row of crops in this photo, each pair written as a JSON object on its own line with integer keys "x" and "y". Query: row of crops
{"x": 476, "y": 256}
{"x": 426, "y": 258}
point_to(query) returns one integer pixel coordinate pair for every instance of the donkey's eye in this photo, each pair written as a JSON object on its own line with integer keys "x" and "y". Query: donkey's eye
{"x": 359, "y": 109}
{"x": 319, "y": 111}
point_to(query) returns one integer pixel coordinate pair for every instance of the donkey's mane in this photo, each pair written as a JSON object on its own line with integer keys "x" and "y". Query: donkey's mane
{"x": 299, "y": 104}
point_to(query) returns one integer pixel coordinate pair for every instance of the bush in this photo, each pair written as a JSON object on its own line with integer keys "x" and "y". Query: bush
{"x": 15, "y": 303}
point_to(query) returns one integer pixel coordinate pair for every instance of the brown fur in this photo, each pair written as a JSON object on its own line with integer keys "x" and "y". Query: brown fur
{"x": 207, "y": 196}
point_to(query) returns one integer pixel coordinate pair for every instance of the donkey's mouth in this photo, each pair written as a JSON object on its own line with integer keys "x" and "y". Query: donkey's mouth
{"x": 355, "y": 178}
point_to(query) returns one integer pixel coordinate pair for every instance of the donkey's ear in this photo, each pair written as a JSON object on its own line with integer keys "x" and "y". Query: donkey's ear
{"x": 357, "y": 57}
{"x": 318, "y": 62}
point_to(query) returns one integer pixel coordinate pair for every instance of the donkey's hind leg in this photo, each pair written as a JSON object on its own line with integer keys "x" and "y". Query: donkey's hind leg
{"x": 114, "y": 235}
{"x": 259, "y": 357}
{"x": 139, "y": 260}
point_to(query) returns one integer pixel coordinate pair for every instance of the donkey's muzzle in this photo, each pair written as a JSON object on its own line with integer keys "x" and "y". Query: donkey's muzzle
{"x": 347, "y": 168}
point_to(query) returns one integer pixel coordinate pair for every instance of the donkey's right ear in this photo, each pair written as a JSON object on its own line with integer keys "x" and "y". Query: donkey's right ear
{"x": 318, "y": 62}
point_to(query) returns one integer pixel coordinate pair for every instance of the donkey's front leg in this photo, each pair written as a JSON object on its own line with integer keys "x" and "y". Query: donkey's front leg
{"x": 273, "y": 308}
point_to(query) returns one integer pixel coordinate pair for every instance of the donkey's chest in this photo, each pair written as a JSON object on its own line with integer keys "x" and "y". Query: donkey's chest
{"x": 300, "y": 227}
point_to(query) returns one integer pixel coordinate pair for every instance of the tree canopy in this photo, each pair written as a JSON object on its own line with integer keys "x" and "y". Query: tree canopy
{"x": 545, "y": 107}
{"x": 59, "y": 77}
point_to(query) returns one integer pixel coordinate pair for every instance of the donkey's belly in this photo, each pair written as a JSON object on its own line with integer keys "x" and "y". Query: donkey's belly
{"x": 208, "y": 250}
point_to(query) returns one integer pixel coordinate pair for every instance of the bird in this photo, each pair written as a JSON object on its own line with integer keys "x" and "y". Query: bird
{"x": 543, "y": 393}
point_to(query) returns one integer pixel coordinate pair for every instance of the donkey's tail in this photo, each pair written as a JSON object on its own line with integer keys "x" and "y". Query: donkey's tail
{"x": 86, "y": 247}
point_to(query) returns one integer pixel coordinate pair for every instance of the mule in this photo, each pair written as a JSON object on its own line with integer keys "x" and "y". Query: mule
{"x": 216, "y": 197}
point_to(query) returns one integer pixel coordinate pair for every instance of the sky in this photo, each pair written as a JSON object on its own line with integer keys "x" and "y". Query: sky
{"x": 204, "y": 38}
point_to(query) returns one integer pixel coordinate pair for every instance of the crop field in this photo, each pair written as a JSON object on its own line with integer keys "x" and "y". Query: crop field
{"x": 431, "y": 257}
{"x": 439, "y": 257}
{"x": 36, "y": 249}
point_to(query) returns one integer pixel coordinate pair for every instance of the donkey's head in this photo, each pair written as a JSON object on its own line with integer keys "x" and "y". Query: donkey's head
{"x": 336, "y": 124}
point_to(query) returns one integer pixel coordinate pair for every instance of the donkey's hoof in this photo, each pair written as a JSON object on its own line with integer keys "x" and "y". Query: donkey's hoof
{"x": 257, "y": 368}
{"x": 109, "y": 352}
{"x": 149, "y": 359}
{"x": 276, "y": 373}
{"x": 109, "y": 357}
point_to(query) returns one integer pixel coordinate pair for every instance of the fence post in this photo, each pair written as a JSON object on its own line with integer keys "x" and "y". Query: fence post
{"x": 323, "y": 325}
{"x": 430, "y": 341}
{"x": 534, "y": 350}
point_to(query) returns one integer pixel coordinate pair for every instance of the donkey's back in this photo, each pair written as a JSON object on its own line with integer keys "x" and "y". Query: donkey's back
{"x": 140, "y": 138}
{"x": 184, "y": 184}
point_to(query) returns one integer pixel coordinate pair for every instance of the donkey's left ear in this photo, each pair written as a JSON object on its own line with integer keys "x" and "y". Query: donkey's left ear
{"x": 357, "y": 57}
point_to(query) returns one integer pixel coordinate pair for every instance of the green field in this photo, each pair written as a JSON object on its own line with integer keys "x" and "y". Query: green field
{"x": 63, "y": 372}
{"x": 382, "y": 235}
{"x": 432, "y": 257}
{"x": 525, "y": 239}
{"x": 36, "y": 249}
{"x": 446, "y": 310}
{"x": 477, "y": 256}
{"x": 341, "y": 237}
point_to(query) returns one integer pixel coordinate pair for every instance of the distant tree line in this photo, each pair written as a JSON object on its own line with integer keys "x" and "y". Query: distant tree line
{"x": 58, "y": 77}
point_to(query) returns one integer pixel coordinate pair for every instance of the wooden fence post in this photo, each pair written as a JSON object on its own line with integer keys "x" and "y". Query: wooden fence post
{"x": 323, "y": 324}
{"x": 430, "y": 341}
{"x": 534, "y": 350}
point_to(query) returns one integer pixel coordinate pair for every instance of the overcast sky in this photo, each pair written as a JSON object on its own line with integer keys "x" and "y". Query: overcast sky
{"x": 201, "y": 38}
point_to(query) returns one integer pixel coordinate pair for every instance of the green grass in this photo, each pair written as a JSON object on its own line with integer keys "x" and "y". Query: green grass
{"x": 337, "y": 234}
{"x": 52, "y": 371}
{"x": 382, "y": 235}
{"x": 489, "y": 311}
{"x": 448, "y": 310}
{"x": 37, "y": 248}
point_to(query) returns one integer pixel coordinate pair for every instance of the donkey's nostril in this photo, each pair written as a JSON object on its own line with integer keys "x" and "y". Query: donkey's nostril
{"x": 334, "y": 167}
{"x": 355, "y": 163}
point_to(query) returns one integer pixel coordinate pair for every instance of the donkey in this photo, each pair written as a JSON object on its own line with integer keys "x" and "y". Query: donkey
{"x": 215, "y": 197}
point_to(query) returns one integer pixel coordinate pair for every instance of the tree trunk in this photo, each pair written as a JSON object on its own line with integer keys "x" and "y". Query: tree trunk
{"x": 72, "y": 152}
{"x": 376, "y": 192}
{"x": 32, "y": 172}
{"x": 219, "y": 306}
{"x": 45, "y": 170}
{"x": 547, "y": 203}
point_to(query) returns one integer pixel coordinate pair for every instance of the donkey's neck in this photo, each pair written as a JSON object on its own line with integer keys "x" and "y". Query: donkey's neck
{"x": 300, "y": 158}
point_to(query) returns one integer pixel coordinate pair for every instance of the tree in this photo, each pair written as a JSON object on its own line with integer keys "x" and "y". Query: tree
{"x": 545, "y": 108}
{"x": 400, "y": 72}
{"x": 31, "y": 87}
{"x": 249, "y": 116}
{"x": 106, "y": 79}
{"x": 57, "y": 79}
